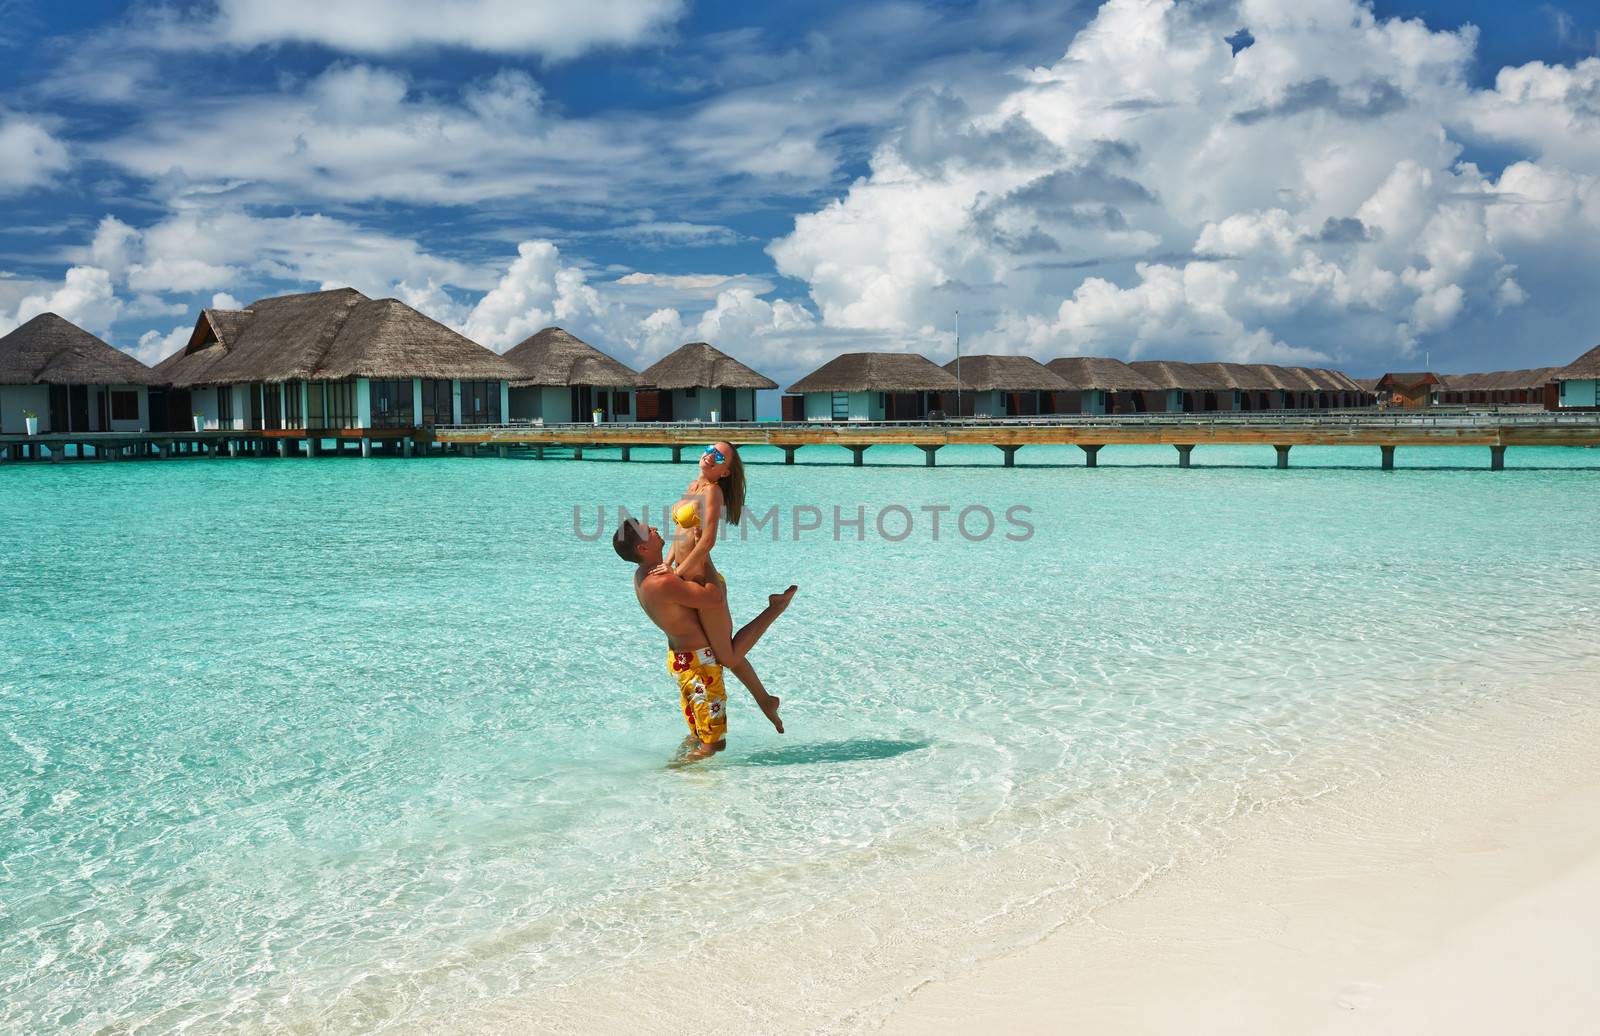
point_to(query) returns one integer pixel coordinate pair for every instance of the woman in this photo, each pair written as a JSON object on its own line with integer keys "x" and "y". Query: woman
{"x": 719, "y": 489}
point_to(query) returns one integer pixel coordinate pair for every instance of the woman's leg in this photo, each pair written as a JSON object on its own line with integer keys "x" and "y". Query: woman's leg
{"x": 751, "y": 632}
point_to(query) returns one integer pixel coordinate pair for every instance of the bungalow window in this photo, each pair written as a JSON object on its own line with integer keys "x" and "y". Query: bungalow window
{"x": 124, "y": 406}
{"x": 438, "y": 402}
{"x": 293, "y": 412}
{"x": 619, "y": 402}
{"x": 391, "y": 404}
{"x": 224, "y": 406}
{"x": 341, "y": 404}
{"x": 480, "y": 402}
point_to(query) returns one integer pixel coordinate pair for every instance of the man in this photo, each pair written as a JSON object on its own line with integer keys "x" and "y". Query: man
{"x": 673, "y": 605}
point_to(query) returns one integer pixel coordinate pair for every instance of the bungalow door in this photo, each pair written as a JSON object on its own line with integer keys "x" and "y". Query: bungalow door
{"x": 58, "y": 408}
{"x": 730, "y": 404}
{"x": 79, "y": 396}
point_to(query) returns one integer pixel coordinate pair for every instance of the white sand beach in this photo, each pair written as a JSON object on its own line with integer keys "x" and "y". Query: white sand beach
{"x": 1463, "y": 898}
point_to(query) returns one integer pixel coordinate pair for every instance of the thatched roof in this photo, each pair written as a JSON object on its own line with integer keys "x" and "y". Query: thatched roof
{"x": 1243, "y": 376}
{"x": 1170, "y": 374}
{"x": 699, "y": 365}
{"x": 1341, "y": 381}
{"x": 879, "y": 372}
{"x": 326, "y": 335}
{"x": 1367, "y": 384}
{"x": 50, "y": 350}
{"x": 554, "y": 357}
{"x": 1007, "y": 374}
{"x": 1583, "y": 368}
{"x": 1100, "y": 373}
{"x": 1410, "y": 380}
{"x": 1526, "y": 379}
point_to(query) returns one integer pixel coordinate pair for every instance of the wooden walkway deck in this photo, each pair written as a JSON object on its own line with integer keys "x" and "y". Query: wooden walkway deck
{"x": 1497, "y": 430}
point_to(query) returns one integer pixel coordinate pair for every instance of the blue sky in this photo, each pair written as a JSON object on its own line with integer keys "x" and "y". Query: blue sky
{"x": 1356, "y": 187}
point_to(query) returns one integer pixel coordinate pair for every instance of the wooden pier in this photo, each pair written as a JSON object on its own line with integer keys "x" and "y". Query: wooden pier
{"x": 1497, "y": 430}
{"x": 1184, "y": 432}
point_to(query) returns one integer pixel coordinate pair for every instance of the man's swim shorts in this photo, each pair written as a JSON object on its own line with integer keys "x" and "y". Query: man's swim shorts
{"x": 705, "y": 703}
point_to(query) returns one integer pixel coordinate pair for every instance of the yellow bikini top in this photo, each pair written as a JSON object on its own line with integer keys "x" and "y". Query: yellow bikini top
{"x": 685, "y": 515}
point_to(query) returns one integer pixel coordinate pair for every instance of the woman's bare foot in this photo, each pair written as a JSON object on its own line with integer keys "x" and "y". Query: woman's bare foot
{"x": 781, "y": 601}
{"x": 769, "y": 709}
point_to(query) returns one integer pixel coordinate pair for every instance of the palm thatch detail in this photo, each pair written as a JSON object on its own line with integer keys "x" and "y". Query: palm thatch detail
{"x": 878, "y": 372}
{"x": 1584, "y": 368}
{"x": 51, "y": 350}
{"x": 699, "y": 365}
{"x": 985, "y": 373}
{"x": 1099, "y": 373}
{"x": 326, "y": 336}
{"x": 552, "y": 357}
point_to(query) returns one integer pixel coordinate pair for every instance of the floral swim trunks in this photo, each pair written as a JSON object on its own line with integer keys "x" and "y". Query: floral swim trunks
{"x": 705, "y": 703}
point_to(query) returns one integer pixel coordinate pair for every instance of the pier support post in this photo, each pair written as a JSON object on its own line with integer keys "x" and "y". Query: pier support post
{"x": 1283, "y": 456}
{"x": 788, "y": 454}
{"x": 366, "y": 447}
{"x": 161, "y": 450}
{"x": 1010, "y": 454}
{"x": 1091, "y": 455}
{"x": 505, "y": 452}
{"x": 627, "y": 453}
{"x": 233, "y": 447}
{"x": 856, "y": 453}
{"x": 927, "y": 454}
{"x": 538, "y": 453}
{"x": 1184, "y": 450}
{"x": 313, "y": 447}
{"x": 1388, "y": 457}
{"x": 577, "y": 453}
{"x": 1497, "y": 458}
{"x": 677, "y": 454}
{"x": 283, "y": 447}
{"x": 57, "y": 450}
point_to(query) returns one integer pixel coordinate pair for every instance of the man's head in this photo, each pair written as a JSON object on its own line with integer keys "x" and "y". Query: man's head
{"x": 637, "y": 543}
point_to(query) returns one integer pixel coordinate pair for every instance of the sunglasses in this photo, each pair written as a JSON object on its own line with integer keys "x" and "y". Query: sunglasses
{"x": 715, "y": 455}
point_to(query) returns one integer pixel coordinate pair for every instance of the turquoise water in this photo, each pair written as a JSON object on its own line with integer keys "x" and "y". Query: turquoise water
{"x": 338, "y": 745}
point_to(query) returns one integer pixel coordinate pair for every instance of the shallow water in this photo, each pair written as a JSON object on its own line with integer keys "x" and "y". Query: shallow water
{"x": 337, "y": 745}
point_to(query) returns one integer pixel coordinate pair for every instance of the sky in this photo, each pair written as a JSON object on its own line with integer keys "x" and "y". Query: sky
{"x": 1367, "y": 186}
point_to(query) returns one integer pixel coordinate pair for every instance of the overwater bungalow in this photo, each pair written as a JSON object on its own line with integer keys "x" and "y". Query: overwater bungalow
{"x": 1497, "y": 388}
{"x": 1184, "y": 387}
{"x": 1578, "y": 383}
{"x": 70, "y": 381}
{"x": 1005, "y": 386}
{"x": 1099, "y": 385}
{"x": 1412, "y": 389}
{"x": 334, "y": 361}
{"x": 878, "y": 386}
{"x": 563, "y": 378}
{"x": 1251, "y": 388}
{"x": 697, "y": 382}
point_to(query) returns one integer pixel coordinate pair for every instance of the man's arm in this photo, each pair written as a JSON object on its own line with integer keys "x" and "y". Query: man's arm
{"x": 670, "y": 588}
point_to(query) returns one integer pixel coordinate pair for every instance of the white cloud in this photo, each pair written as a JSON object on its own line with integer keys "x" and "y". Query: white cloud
{"x": 222, "y": 300}
{"x": 153, "y": 346}
{"x": 1154, "y": 192}
{"x": 537, "y": 290}
{"x": 30, "y": 156}
{"x": 85, "y": 297}
{"x": 496, "y": 26}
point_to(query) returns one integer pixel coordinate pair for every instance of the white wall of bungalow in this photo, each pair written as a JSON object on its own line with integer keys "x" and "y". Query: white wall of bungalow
{"x": 559, "y": 404}
{"x": 75, "y": 408}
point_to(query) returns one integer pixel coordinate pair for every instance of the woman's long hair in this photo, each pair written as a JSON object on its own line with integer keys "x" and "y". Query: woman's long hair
{"x": 733, "y": 486}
